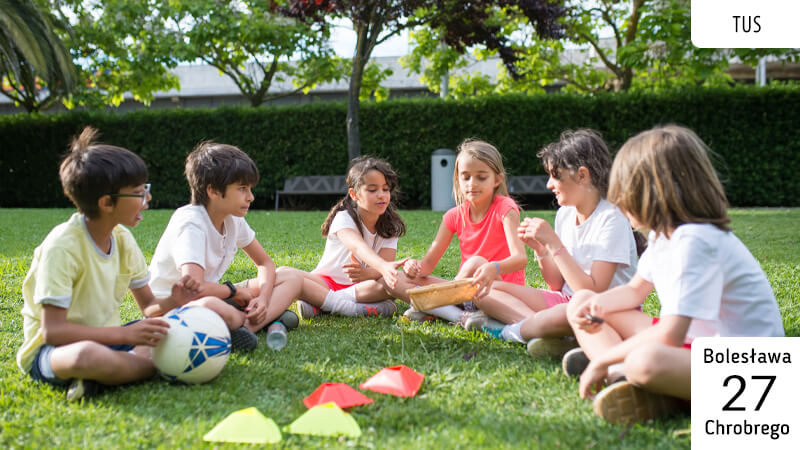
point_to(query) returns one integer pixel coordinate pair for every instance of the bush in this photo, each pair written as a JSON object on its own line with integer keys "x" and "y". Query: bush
{"x": 750, "y": 128}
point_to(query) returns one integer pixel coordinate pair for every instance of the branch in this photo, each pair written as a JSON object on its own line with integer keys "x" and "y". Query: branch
{"x": 636, "y": 14}
{"x": 606, "y": 12}
{"x": 614, "y": 67}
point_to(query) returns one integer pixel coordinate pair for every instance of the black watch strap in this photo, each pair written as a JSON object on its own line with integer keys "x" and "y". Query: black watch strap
{"x": 232, "y": 288}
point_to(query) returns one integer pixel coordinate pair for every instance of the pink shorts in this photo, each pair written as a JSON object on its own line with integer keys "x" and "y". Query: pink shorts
{"x": 553, "y": 298}
{"x": 334, "y": 286}
{"x": 655, "y": 321}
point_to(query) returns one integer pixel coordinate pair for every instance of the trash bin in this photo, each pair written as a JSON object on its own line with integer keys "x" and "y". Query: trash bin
{"x": 443, "y": 163}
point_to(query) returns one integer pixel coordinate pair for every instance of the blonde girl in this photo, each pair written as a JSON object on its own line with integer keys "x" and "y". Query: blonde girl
{"x": 361, "y": 234}
{"x": 707, "y": 281}
{"x": 485, "y": 221}
{"x": 592, "y": 247}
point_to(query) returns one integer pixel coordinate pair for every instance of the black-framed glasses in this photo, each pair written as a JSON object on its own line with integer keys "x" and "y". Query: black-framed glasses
{"x": 143, "y": 195}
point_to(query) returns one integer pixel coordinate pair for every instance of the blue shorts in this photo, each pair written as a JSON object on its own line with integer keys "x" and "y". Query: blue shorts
{"x": 43, "y": 371}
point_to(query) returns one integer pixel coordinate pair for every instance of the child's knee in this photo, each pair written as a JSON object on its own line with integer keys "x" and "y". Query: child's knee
{"x": 577, "y": 300}
{"x": 644, "y": 364}
{"x": 83, "y": 356}
{"x": 233, "y": 317}
{"x": 470, "y": 266}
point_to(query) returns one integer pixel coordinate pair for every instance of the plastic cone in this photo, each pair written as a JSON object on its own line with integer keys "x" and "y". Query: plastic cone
{"x": 398, "y": 380}
{"x": 326, "y": 420}
{"x": 245, "y": 426}
{"x": 343, "y": 395}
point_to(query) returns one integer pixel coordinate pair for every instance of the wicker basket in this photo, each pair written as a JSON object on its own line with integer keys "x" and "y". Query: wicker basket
{"x": 441, "y": 294}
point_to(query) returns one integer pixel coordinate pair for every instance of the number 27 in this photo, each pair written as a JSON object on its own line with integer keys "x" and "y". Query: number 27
{"x": 742, "y": 384}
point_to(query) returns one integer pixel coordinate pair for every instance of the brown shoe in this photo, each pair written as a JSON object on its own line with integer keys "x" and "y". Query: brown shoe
{"x": 623, "y": 403}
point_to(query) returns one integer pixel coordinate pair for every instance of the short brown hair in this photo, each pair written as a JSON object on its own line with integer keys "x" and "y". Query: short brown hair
{"x": 664, "y": 178}
{"x": 217, "y": 165}
{"x": 91, "y": 170}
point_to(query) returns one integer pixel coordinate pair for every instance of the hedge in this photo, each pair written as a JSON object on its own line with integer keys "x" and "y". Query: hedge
{"x": 753, "y": 130}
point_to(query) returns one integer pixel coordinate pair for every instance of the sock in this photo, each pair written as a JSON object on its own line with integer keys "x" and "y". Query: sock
{"x": 513, "y": 332}
{"x": 451, "y": 313}
{"x": 341, "y": 302}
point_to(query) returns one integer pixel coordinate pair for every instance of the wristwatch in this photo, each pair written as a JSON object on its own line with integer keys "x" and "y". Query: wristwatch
{"x": 232, "y": 288}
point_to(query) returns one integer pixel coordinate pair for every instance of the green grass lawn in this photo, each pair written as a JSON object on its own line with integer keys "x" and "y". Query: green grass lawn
{"x": 477, "y": 392}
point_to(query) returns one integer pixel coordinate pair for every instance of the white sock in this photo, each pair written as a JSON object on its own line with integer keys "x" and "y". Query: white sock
{"x": 342, "y": 301}
{"x": 451, "y": 313}
{"x": 513, "y": 332}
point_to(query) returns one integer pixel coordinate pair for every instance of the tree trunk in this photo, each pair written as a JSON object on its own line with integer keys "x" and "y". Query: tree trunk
{"x": 353, "y": 132}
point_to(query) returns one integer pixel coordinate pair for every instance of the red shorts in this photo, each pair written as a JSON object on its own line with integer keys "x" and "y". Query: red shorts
{"x": 655, "y": 321}
{"x": 334, "y": 286}
{"x": 553, "y": 298}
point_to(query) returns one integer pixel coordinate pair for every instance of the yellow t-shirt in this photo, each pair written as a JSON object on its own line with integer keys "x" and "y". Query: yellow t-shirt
{"x": 69, "y": 271}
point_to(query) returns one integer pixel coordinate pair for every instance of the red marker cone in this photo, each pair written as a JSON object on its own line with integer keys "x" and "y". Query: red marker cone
{"x": 343, "y": 395}
{"x": 398, "y": 380}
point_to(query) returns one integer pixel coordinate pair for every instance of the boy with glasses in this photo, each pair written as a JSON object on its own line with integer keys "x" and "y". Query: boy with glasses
{"x": 80, "y": 274}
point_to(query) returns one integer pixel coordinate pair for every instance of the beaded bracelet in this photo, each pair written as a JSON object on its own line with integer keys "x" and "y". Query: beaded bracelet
{"x": 559, "y": 251}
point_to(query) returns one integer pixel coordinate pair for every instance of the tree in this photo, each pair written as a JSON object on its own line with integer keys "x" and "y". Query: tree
{"x": 252, "y": 45}
{"x": 607, "y": 45}
{"x": 32, "y": 56}
{"x": 465, "y": 23}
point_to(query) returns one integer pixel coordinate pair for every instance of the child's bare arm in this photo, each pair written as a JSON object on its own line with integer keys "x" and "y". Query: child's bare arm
{"x": 185, "y": 290}
{"x": 358, "y": 272}
{"x": 57, "y": 330}
{"x": 356, "y": 244}
{"x": 626, "y": 297}
{"x": 256, "y": 310}
{"x": 435, "y": 252}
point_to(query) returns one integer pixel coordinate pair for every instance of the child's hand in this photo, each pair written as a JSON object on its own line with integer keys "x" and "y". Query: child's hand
{"x": 256, "y": 310}
{"x": 592, "y": 380}
{"x": 541, "y": 231}
{"x": 585, "y": 319}
{"x": 484, "y": 276}
{"x": 524, "y": 236}
{"x": 389, "y": 272}
{"x": 412, "y": 268}
{"x": 354, "y": 270}
{"x": 146, "y": 332}
{"x": 184, "y": 291}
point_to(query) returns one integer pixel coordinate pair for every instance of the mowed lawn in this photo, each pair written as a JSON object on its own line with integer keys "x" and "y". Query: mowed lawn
{"x": 477, "y": 392}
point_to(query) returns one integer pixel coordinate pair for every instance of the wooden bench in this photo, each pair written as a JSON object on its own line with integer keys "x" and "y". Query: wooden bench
{"x": 312, "y": 185}
{"x": 528, "y": 184}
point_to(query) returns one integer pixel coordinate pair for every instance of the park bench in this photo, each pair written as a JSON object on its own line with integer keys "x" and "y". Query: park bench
{"x": 312, "y": 185}
{"x": 528, "y": 184}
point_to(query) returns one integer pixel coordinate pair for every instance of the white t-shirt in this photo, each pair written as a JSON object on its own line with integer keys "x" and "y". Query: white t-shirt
{"x": 336, "y": 254}
{"x": 190, "y": 237}
{"x": 606, "y": 235}
{"x": 708, "y": 275}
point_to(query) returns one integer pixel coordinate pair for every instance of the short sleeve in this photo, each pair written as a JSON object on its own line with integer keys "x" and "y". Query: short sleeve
{"x": 56, "y": 274}
{"x": 614, "y": 239}
{"x": 189, "y": 246}
{"x": 505, "y": 205}
{"x": 698, "y": 282}
{"x": 390, "y": 243}
{"x": 450, "y": 219}
{"x": 133, "y": 260}
{"x": 644, "y": 269}
{"x": 244, "y": 233}
{"x": 341, "y": 221}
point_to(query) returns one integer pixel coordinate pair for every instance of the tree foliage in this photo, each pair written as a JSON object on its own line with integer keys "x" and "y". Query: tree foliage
{"x": 32, "y": 57}
{"x": 465, "y": 23}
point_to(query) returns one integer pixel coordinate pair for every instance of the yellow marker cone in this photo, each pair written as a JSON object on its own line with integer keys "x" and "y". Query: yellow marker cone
{"x": 245, "y": 426}
{"x": 326, "y": 420}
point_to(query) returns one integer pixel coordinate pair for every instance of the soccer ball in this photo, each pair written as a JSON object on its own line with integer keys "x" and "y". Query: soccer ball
{"x": 196, "y": 347}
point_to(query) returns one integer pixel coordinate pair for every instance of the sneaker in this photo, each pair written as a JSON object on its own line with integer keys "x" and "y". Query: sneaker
{"x": 479, "y": 321}
{"x": 385, "y": 308}
{"x": 624, "y": 403}
{"x": 289, "y": 319}
{"x": 306, "y": 310}
{"x": 574, "y": 362}
{"x": 243, "y": 340}
{"x": 412, "y": 315}
{"x": 551, "y": 347}
{"x": 82, "y": 388}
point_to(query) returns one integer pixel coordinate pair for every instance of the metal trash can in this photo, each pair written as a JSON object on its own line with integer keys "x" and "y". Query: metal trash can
{"x": 443, "y": 163}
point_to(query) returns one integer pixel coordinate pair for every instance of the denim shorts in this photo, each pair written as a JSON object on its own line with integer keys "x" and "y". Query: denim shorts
{"x": 43, "y": 371}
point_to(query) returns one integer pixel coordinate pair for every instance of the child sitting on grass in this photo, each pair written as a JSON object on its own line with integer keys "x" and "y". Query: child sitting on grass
{"x": 80, "y": 274}
{"x": 202, "y": 238}
{"x": 707, "y": 281}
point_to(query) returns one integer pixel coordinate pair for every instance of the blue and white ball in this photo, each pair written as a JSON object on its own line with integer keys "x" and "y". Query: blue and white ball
{"x": 196, "y": 347}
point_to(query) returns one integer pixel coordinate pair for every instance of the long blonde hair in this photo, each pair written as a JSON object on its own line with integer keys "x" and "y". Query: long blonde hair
{"x": 664, "y": 178}
{"x": 486, "y": 153}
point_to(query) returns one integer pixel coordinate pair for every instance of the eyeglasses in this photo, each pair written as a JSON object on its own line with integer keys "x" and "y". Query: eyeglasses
{"x": 143, "y": 195}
